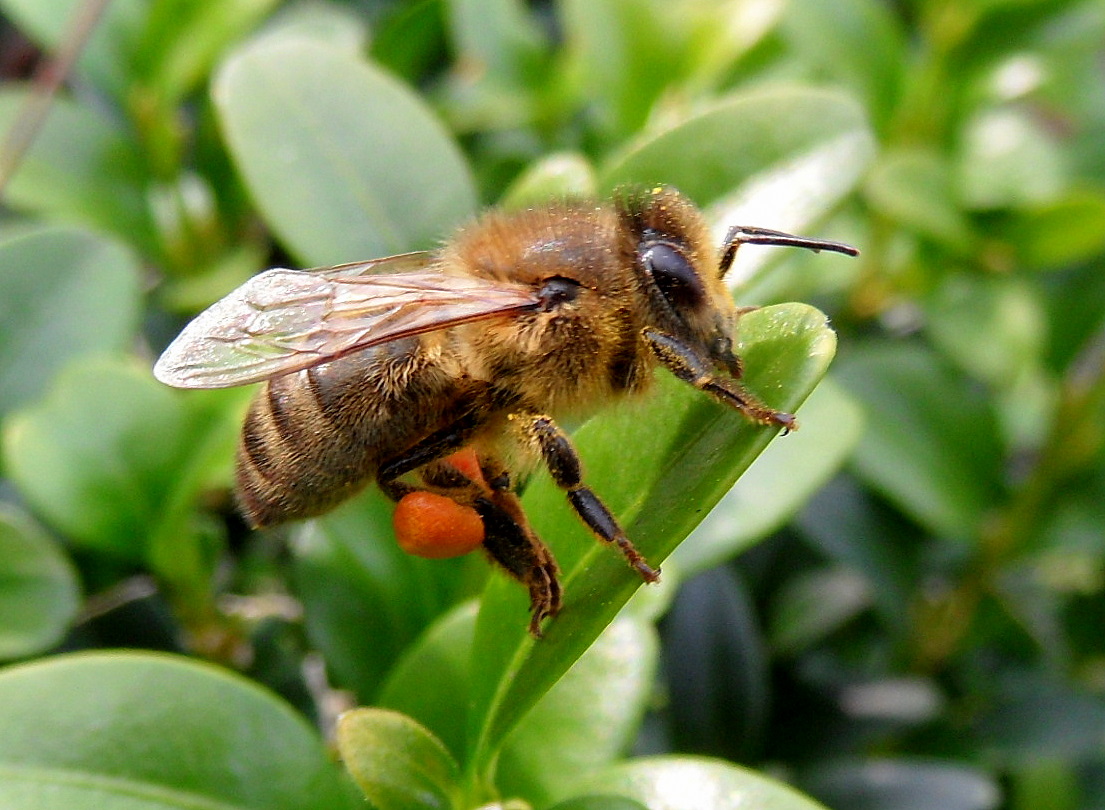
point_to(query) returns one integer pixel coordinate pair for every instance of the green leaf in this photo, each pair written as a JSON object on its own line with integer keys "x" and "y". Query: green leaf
{"x": 1047, "y": 785}
{"x": 556, "y": 176}
{"x": 1059, "y": 233}
{"x": 104, "y": 59}
{"x": 623, "y": 53}
{"x": 397, "y": 763}
{"x": 849, "y": 525}
{"x": 685, "y": 452}
{"x": 817, "y": 140}
{"x": 364, "y": 598}
{"x": 586, "y": 720}
{"x": 904, "y": 784}
{"x": 344, "y": 162}
{"x": 82, "y": 169}
{"x": 994, "y": 327}
{"x": 440, "y": 655}
{"x": 114, "y": 460}
{"x": 693, "y": 783}
{"x": 408, "y": 40}
{"x": 39, "y": 593}
{"x": 858, "y": 42}
{"x": 582, "y": 723}
{"x": 599, "y": 802}
{"x": 496, "y": 39}
{"x": 914, "y": 187}
{"x": 1008, "y": 160}
{"x": 64, "y": 293}
{"x": 134, "y": 730}
{"x": 813, "y": 604}
{"x": 181, "y": 40}
{"x": 931, "y": 441}
{"x": 779, "y": 482}
{"x": 1035, "y": 716}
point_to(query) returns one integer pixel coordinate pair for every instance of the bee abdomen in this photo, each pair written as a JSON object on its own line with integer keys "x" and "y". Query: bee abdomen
{"x": 294, "y": 460}
{"x": 314, "y": 438}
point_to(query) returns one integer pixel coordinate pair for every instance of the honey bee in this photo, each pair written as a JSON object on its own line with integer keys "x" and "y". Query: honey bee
{"x": 382, "y": 370}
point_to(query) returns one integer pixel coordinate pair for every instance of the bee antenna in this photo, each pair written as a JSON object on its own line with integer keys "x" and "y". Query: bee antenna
{"x": 745, "y": 235}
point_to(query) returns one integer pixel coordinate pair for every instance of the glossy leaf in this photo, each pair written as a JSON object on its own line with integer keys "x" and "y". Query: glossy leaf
{"x": 907, "y": 784}
{"x": 397, "y": 763}
{"x": 114, "y": 460}
{"x": 134, "y": 730}
{"x": 80, "y": 168}
{"x": 690, "y": 783}
{"x": 1008, "y": 159}
{"x": 586, "y": 720}
{"x": 1061, "y": 232}
{"x": 930, "y": 443}
{"x": 686, "y": 452}
{"x": 582, "y": 723}
{"x": 820, "y": 138}
{"x": 182, "y": 39}
{"x": 558, "y": 176}
{"x": 993, "y": 327}
{"x": 624, "y": 52}
{"x": 852, "y": 527}
{"x": 716, "y": 667}
{"x": 497, "y": 38}
{"x": 814, "y": 604}
{"x": 39, "y": 593}
{"x": 345, "y": 163}
{"x": 365, "y": 599}
{"x": 779, "y": 482}
{"x": 599, "y": 802}
{"x": 915, "y": 188}
{"x": 858, "y": 42}
{"x": 1035, "y": 717}
{"x": 443, "y": 654}
{"x": 64, "y": 293}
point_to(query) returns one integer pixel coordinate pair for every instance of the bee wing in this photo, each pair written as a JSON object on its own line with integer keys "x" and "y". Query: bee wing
{"x": 282, "y": 321}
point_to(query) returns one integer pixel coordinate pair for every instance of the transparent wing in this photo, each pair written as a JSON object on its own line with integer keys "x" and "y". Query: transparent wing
{"x": 282, "y": 321}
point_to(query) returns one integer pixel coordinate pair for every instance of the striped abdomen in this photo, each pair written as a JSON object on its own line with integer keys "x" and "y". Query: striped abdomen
{"x": 313, "y": 438}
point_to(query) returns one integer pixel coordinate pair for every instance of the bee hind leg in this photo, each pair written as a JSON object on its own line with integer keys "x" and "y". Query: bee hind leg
{"x": 513, "y": 545}
{"x": 508, "y": 539}
{"x": 564, "y": 465}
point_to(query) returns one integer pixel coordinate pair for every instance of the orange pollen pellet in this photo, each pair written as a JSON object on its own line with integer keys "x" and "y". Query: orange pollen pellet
{"x": 433, "y": 526}
{"x": 468, "y": 463}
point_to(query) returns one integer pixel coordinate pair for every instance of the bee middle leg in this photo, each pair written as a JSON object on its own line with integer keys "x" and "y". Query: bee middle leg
{"x": 564, "y": 465}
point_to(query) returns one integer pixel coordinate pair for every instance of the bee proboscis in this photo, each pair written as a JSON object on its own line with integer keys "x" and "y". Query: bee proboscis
{"x": 383, "y": 370}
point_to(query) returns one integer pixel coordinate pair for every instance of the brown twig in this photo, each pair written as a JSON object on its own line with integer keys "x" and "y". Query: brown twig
{"x": 47, "y": 79}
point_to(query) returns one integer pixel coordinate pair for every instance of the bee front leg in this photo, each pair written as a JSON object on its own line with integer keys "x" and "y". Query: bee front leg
{"x": 563, "y": 462}
{"x": 686, "y": 364}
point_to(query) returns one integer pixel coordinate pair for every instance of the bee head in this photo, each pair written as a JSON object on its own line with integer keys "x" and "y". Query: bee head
{"x": 679, "y": 270}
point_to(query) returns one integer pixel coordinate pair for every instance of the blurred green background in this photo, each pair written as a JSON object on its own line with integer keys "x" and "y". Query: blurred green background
{"x": 899, "y": 606}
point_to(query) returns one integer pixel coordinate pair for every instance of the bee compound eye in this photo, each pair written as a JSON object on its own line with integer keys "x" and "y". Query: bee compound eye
{"x": 556, "y": 291}
{"x": 673, "y": 274}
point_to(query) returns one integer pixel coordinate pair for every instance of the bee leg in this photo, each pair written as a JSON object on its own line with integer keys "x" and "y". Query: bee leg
{"x": 564, "y": 465}
{"x": 432, "y": 448}
{"x": 508, "y": 539}
{"x": 511, "y": 543}
{"x": 686, "y": 364}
